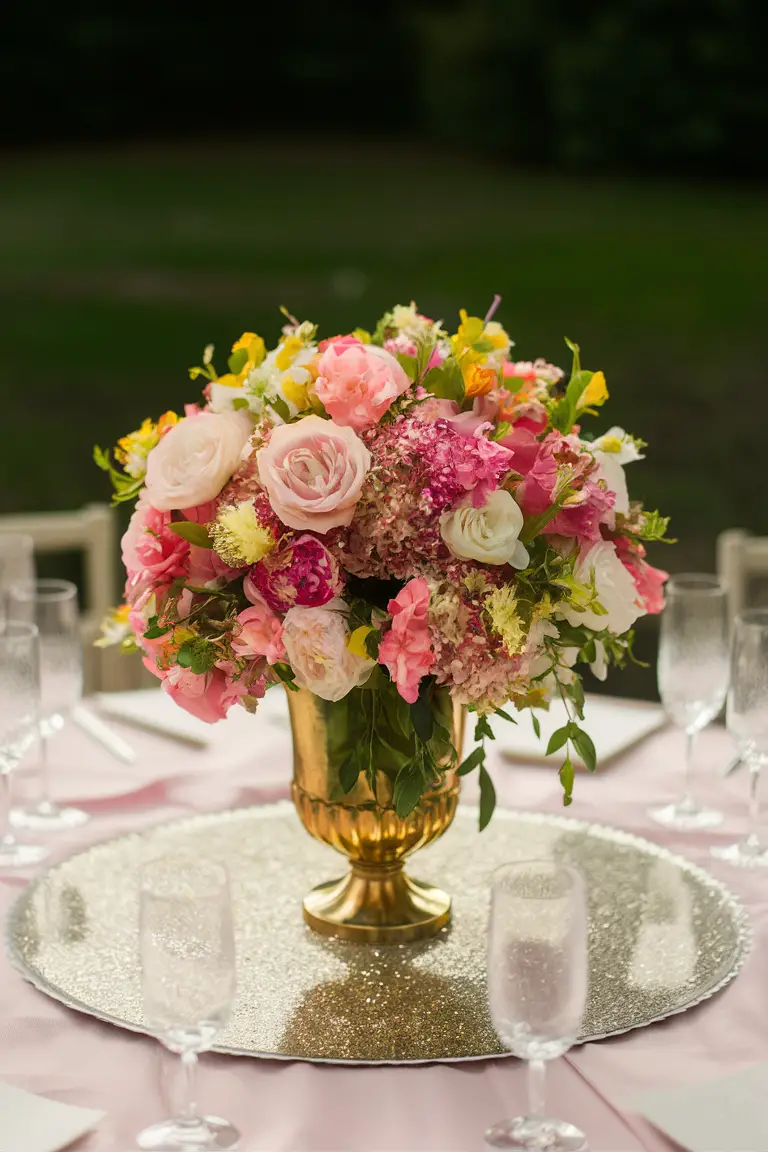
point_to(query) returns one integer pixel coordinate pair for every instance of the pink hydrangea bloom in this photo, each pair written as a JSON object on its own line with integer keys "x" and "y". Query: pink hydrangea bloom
{"x": 406, "y": 650}
{"x": 300, "y": 571}
{"x": 153, "y": 555}
{"x": 649, "y": 581}
{"x": 357, "y": 383}
{"x": 582, "y": 517}
{"x": 260, "y": 633}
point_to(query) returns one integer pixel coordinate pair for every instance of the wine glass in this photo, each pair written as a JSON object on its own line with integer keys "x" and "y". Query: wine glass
{"x": 692, "y": 678}
{"x": 188, "y": 983}
{"x": 747, "y": 720}
{"x": 52, "y": 606}
{"x": 17, "y": 564}
{"x": 19, "y": 704}
{"x": 537, "y": 986}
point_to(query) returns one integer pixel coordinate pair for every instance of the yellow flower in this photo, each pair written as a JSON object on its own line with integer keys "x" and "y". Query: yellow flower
{"x": 356, "y": 641}
{"x": 289, "y": 350}
{"x": 115, "y": 628}
{"x": 497, "y": 336}
{"x": 478, "y": 380}
{"x": 132, "y": 450}
{"x": 232, "y": 381}
{"x": 470, "y": 331}
{"x": 295, "y": 392}
{"x": 501, "y": 605}
{"x": 596, "y": 392}
{"x": 167, "y": 420}
{"x": 238, "y": 536}
{"x": 253, "y": 345}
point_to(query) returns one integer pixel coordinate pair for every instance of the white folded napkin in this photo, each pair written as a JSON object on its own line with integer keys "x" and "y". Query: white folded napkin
{"x": 725, "y": 1115}
{"x": 614, "y": 725}
{"x": 30, "y": 1123}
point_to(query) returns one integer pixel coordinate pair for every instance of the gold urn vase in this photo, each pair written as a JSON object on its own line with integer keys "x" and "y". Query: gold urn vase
{"x": 376, "y": 901}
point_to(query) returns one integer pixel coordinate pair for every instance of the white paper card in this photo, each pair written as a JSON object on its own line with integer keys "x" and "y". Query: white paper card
{"x": 727, "y": 1115}
{"x": 614, "y": 725}
{"x": 153, "y": 709}
{"x": 30, "y": 1123}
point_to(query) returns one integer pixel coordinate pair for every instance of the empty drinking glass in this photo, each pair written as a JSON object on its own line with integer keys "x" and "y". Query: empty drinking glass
{"x": 52, "y": 606}
{"x": 537, "y": 986}
{"x": 747, "y": 719}
{"x": 17, "y": 564}
{"x": 692, "y": 677}
{"x": 188, "y": 982}
{"x": 19, "y": 704}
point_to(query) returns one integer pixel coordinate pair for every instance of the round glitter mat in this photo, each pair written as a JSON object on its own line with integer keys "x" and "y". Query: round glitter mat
{"x": 664, "y": 935}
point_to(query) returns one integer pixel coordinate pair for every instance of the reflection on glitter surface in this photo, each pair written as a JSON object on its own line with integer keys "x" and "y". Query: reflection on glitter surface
{"x": 663, "y": 934}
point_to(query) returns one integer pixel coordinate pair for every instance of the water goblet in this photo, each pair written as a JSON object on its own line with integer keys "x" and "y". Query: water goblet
{"x": 17, "y": 564}
{"x": 188, "y": 983}
{"x": 19, "y": 704}
{"x": 692, "y": 678}
{"x": 52, "y": 606}
{"x": 747, "y": 720}
{"x": 537, "y": 986}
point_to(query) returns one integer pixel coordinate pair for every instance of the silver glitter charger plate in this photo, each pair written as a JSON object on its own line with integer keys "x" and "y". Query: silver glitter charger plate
{"x": 664, "y": 935}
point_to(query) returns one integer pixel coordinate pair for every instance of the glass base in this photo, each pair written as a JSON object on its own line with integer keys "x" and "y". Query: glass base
{"x": 547, "y": 1135}
{"x": 21, "y": 855}
{"x": 743, "y": 855}
{"x": 48, "y": 817}
{"x": 209, "y": 1135}
{"x": 686, "y": 816}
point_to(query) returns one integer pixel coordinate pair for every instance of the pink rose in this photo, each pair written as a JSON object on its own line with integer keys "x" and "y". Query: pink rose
{"x": 196, "y": 458}
{"x": 524, "y": 447}
{"x": 358, "y": 382}
{"x": 406, "y": 650}
{"x": 206, "y": 695}
{"x": 260, "y": 634}
{"x": 316, "y": 644}
{"x": 300, "y": 571}
{"x": 313, "y": 472}
{"x": 153, "y": 555}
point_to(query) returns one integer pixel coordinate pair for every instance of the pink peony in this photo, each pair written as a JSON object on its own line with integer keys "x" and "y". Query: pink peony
{"x": 260, "y": 633}
{"x": 406, "y": 650}
{"x": 555, "y": 460}
{"x": 358, "y": 382}
{"x": 153, "y": 555}
{"x": 339, "y": 342}
{"x": 313, "y": 472}
{"x": 649, "y": 581}
{"x": 301, "y": 571}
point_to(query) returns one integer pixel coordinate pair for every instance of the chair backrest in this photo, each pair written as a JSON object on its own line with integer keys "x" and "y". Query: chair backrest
{"x": 742, "y": 559}
{"x": 91, "y": 531}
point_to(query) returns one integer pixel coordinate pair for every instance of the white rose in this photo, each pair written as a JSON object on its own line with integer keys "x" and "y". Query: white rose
{"x": 615, "y": 591}
{"x": 195, "y": 459}
{"x": 315, "y": 640}
{"x": 489, "y": 534}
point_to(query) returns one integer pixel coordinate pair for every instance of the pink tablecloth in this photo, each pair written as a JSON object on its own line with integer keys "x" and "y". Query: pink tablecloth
{"x": 48, "y": 1049}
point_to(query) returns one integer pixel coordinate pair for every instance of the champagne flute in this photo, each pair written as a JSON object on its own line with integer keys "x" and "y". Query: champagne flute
{"x": 692, "y": 678}
{"x": 188, "y": 983}
{"x": 17, "y": 564}
{"x": 747, "y": 720}
{"x": 19, "y": 704}
{"x": 52, "y": 606}
{"x": 537, "y": 986}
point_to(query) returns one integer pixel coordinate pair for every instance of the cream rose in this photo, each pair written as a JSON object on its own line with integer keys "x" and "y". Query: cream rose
{"x": 195, "y": 459}
{"x": 615, "y": 591}
{"x": 313, "y": 472}
{"x": 315, "y": 641}
{"x": 489, "y": 534}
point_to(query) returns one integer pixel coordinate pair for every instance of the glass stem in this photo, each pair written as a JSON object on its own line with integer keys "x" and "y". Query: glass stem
{"x": 753, "y": 839}
{"x": 537, "y": 1083}
{"x": 190, "y": 1117}
{"x": 690, "y": 742}
{"x": 44, "y": 800}
{"x": 8, "y": 840}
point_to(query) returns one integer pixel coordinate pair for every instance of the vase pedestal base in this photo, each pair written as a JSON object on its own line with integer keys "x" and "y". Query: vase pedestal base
{"x": 375, "y": 904}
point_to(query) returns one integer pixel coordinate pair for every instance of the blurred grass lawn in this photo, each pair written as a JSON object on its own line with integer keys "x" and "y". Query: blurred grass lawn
{"x": 116, "y": 269}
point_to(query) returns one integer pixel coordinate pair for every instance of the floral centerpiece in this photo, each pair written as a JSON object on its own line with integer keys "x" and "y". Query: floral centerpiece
{"x": 397, "y": 522}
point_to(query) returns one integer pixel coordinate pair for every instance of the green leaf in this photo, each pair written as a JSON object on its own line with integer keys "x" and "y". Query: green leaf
{"x": 185, "y": 655}
{"x": 483, "y": 729}
{"x": 487, "y": 797}
{"x": 280, "y": 406}
{"x": 239, "y": 403}
{"x": 558, "y": 739}
{"x": 192, "y": 532}
{"x": 408, "y": 365}
{"x": 505, "y": 715}
{"x": 408, "y": 788}
{"x": 421, "y": 714}
{"x": 575, "y": 692}
{"x": 349, "y": 772}
{"x": 237, "y": 361}
{"x": 582, "y": 742}
{"x": 446, "y": 381}
{"x": 566, "y": 779}
{"x": 372, "y": 642}
{"x": 536, "y": 725}
{"x": 501, "y": 430}
{"x": 284, "y": 672}
{"x": 155, "y": 631}
{"x": 476, "y": 756}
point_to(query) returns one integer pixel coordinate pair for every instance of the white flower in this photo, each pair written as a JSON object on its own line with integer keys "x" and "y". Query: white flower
{"x": 267, "y": 385}
{"x": 599, "y": 666}
{"x": 489, "y": 534}
{"x": 618, "y": 444}
{"x": 615, "y": 591}
{"x": 315, "y": 640}
{"x": 195, "y": 459}
{"x": 222, "y": 397}
{"x": 612, "y": 451}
